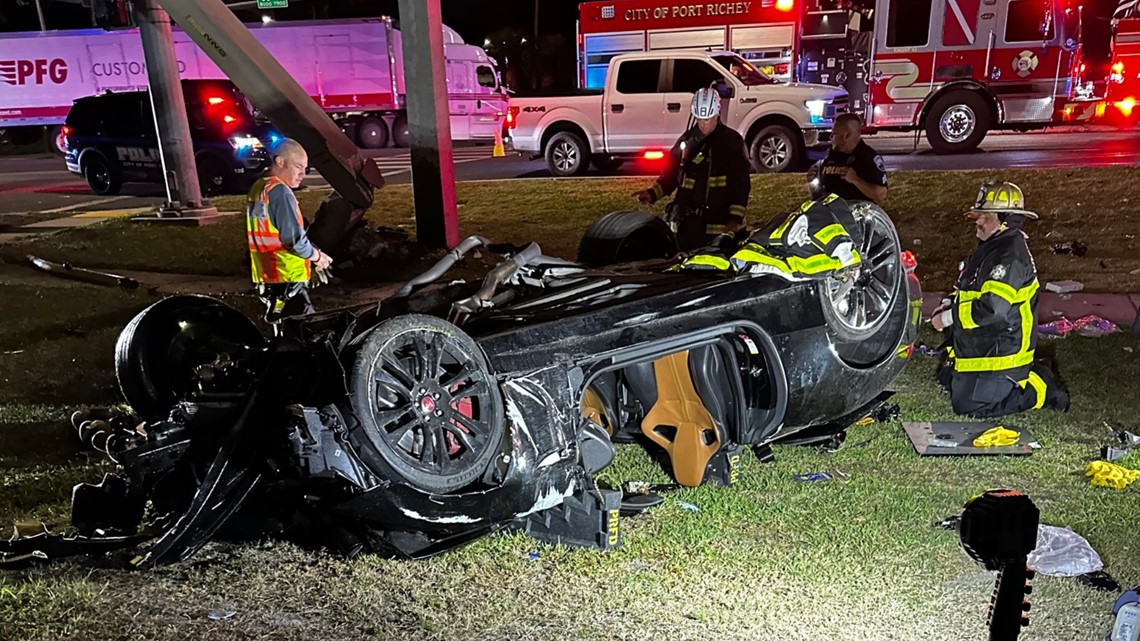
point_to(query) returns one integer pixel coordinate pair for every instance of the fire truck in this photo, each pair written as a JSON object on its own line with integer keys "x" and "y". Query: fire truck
{"x": 954, "y": 69}
{"x": 1123, "y": 92}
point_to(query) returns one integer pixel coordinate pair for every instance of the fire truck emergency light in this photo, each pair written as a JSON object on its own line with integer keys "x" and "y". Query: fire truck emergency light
{"x": 785, "y": 5}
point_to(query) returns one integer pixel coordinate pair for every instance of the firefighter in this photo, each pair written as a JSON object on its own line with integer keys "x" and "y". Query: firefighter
{"x": 708, "y": 167}
{"x": 812, "y": 242}
{"x": 852, "y": 169}
{"x": 992, "y": 316}
{"x": 281, "y": 256}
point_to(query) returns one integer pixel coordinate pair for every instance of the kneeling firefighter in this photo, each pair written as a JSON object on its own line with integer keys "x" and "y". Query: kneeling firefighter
{"x": 992, "y": 318}
{"x": 708, "y": 167}
{"x": 818, "y": 239}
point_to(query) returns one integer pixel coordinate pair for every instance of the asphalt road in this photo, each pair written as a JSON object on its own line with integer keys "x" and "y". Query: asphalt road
{"x": 42, "y": 184}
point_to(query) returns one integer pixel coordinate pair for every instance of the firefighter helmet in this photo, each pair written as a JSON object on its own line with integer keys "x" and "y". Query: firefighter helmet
{"x": 706, "y": 104}
{"x": 1003, "y": 199}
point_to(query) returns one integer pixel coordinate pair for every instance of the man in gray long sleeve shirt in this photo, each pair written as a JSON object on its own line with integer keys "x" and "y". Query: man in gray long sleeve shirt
{"x": 281, "y": 255}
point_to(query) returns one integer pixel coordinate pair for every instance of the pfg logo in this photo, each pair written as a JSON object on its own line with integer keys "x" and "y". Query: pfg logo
{"x": 33, "y": 72}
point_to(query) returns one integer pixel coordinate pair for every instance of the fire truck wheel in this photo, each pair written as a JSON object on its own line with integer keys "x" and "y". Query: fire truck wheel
{"x": 567, "y": 155}
{"x": 776, "y": 149}
{"x": 372, "y": 133}
{"x": 957, "y": 122}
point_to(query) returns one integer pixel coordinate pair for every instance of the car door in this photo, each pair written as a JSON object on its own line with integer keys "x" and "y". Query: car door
{"x": 686, "y": 77}
{"x": 634, "y": 105}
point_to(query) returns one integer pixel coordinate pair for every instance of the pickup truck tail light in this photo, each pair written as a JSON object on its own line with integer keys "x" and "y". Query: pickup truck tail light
{"x": 512, "y": 117}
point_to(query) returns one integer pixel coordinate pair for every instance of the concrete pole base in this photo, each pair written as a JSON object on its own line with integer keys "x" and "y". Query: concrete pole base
{"x": 197, "y": 217}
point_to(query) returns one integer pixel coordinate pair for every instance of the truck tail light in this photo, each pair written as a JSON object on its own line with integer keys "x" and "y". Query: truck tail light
{"x": 215, "y": 100}
{"x": 654, "y": 154}
{"x": 65, "y": 130}
{"x": 512, "y": 117}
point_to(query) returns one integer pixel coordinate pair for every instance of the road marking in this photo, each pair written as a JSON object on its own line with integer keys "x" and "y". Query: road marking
{"x": 89, "y": 203}
{"x": 114, "y": 213}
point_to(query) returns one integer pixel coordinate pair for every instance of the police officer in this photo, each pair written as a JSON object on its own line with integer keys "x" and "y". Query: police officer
{"x": 992, "y": 317}
{"x": 708, "y": 167}
{"x": 281, "y": 256}
{"x": 852, "y": 169}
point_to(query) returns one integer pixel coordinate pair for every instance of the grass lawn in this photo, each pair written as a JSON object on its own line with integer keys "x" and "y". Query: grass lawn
{"x": 854, "y": 558}
{"x": 1091, "y": 205}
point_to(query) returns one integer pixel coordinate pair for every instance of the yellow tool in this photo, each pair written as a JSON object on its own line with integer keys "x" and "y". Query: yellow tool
{"x": 997, "y": 437}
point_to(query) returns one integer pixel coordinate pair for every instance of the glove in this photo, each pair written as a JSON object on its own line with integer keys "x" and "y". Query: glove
{"x": 997, "y": 437}
{"x": 1111, "y": 475}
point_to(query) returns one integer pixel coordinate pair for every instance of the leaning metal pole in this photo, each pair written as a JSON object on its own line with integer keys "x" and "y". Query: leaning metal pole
{"x": 176, "y": 149}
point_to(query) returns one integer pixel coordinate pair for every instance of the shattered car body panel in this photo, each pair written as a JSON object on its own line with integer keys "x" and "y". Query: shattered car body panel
{"x": 386, "y": 428}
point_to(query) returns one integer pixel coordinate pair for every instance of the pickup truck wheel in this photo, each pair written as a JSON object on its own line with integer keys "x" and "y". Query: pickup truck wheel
{"x": 626, "y": 236}
{"x": 957, "y": 123}
{"x": 567, "y": 155}
{"x": 776, "y": 149}
{"x": 372, "y": 133}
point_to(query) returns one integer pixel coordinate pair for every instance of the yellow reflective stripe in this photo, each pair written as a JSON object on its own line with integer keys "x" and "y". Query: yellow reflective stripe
{"x": 718, "y": 181}
{"x": 755, "y": 254}
{"x": 993, "y": 363}
{"x": 783, "y": 228}
{"x": 705, "y": 260}
{"x": 830, "y": 233}
{"x": 966, "y": 316}
{"x": 688, "y": 183}
{"x": 815, "y": 264}
{"x": 1003, "y": 291}
{"x": 736, "y": 211}
{"x": 1038, "y": 386}
{"x": 1026, "y": 326}
{"x": 658, "y": 191}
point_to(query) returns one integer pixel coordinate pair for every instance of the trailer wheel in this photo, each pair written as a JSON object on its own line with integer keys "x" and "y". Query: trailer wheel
{"x": 102, "y": 180}
{"x": 372, "y": 133}
{"x": 400, "y": 136}
{"x": 957, "y": 122}
{"x": 567, "y": 155}
{"x": 776, "y": 149}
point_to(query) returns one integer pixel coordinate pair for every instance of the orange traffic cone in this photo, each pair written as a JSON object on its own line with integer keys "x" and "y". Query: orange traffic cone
{"x": 499, "y": 151}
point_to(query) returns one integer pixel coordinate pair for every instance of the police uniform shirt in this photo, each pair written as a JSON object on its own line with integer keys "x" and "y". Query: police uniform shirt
{"x": 867, "y": 164}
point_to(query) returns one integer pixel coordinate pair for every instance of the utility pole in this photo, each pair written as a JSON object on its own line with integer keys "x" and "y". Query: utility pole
{"x": 429, "y": 124}
{"x": 184, "y": 202}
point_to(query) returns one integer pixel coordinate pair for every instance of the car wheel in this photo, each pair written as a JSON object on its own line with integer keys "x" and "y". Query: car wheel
{"x": 567, "y": 155}
{"x": 626, "y": 236}
{"x": 400, "y": 136}
{"x": 867, "y": 309}
{"x": 213, "y": 176}
{"x": 957, "y": 123}
{"x": 372, "y": 133}
{"x": 776, "y": 149}
{"x": 100, "y": 177}
{"x": 429, "y": 410}
{"x": 158, "y": 353}
{"x": 608, "y": 165}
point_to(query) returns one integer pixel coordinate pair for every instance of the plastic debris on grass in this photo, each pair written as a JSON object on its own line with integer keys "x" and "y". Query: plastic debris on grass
{"x": 1074, "y": 247}
{"x": 1062, "y": 552}
{"x": 1091, "y": 326}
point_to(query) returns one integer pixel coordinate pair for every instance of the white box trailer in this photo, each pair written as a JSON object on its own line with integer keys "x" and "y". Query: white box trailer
{"x": 352, "y": 68}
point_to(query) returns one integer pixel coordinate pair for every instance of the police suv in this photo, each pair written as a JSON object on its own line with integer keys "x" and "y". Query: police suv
{"x": 111, "y": 139}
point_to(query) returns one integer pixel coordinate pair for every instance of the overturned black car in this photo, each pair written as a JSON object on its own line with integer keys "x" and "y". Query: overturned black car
{"x": 419, "y": 422}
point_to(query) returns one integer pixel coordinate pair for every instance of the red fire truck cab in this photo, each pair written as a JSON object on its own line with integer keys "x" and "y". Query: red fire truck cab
{"x": 1123, "y": 96}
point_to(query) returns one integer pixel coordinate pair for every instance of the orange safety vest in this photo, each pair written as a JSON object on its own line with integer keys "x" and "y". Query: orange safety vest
{"x": 272, "y": 261}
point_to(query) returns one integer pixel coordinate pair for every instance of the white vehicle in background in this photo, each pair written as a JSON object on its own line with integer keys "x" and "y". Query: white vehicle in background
{"x": 644, "y": 108}
{"x": 354, "y": 69}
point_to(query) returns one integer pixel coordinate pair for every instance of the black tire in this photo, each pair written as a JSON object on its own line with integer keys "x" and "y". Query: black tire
{"x": 400, "y": 136}
{"x": 214, "y": 177}
{"x": 372, "y": 133}
{"x": 423, "y": 368}
{"x": 957, "y": 122}
{"x": 607, "y": 165}
{"x": 776, "y": 149}
{"x": 880, "y": 288}
{"x": 157, "y": 352}
{"x": 567, "y": 155}
{"x": 100, "y": 177}
{"x": 626, "y": 236}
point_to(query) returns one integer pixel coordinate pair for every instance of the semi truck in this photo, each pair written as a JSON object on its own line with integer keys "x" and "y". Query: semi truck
{"x": 354, "y": 69}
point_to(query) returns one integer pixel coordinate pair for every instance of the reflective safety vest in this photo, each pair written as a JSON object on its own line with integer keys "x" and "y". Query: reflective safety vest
{"x": 811, "y": 242}
{"x": 995, "y": 308}
{"x": 271, "y": 261}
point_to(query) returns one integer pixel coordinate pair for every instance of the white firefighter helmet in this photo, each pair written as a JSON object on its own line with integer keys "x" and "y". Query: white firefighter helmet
{"x": 706, "y": 104}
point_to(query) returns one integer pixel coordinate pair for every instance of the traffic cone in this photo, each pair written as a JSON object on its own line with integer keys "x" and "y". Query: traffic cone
{"x": 499, "y": 151}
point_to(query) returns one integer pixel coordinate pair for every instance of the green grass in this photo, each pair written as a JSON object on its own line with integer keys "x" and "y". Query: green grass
{"x": 854, "y": 558}
{"x": 1092, "y": 205}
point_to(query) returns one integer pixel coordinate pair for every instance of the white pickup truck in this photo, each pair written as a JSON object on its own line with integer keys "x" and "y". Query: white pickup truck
{"x": 645, "y": 108}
